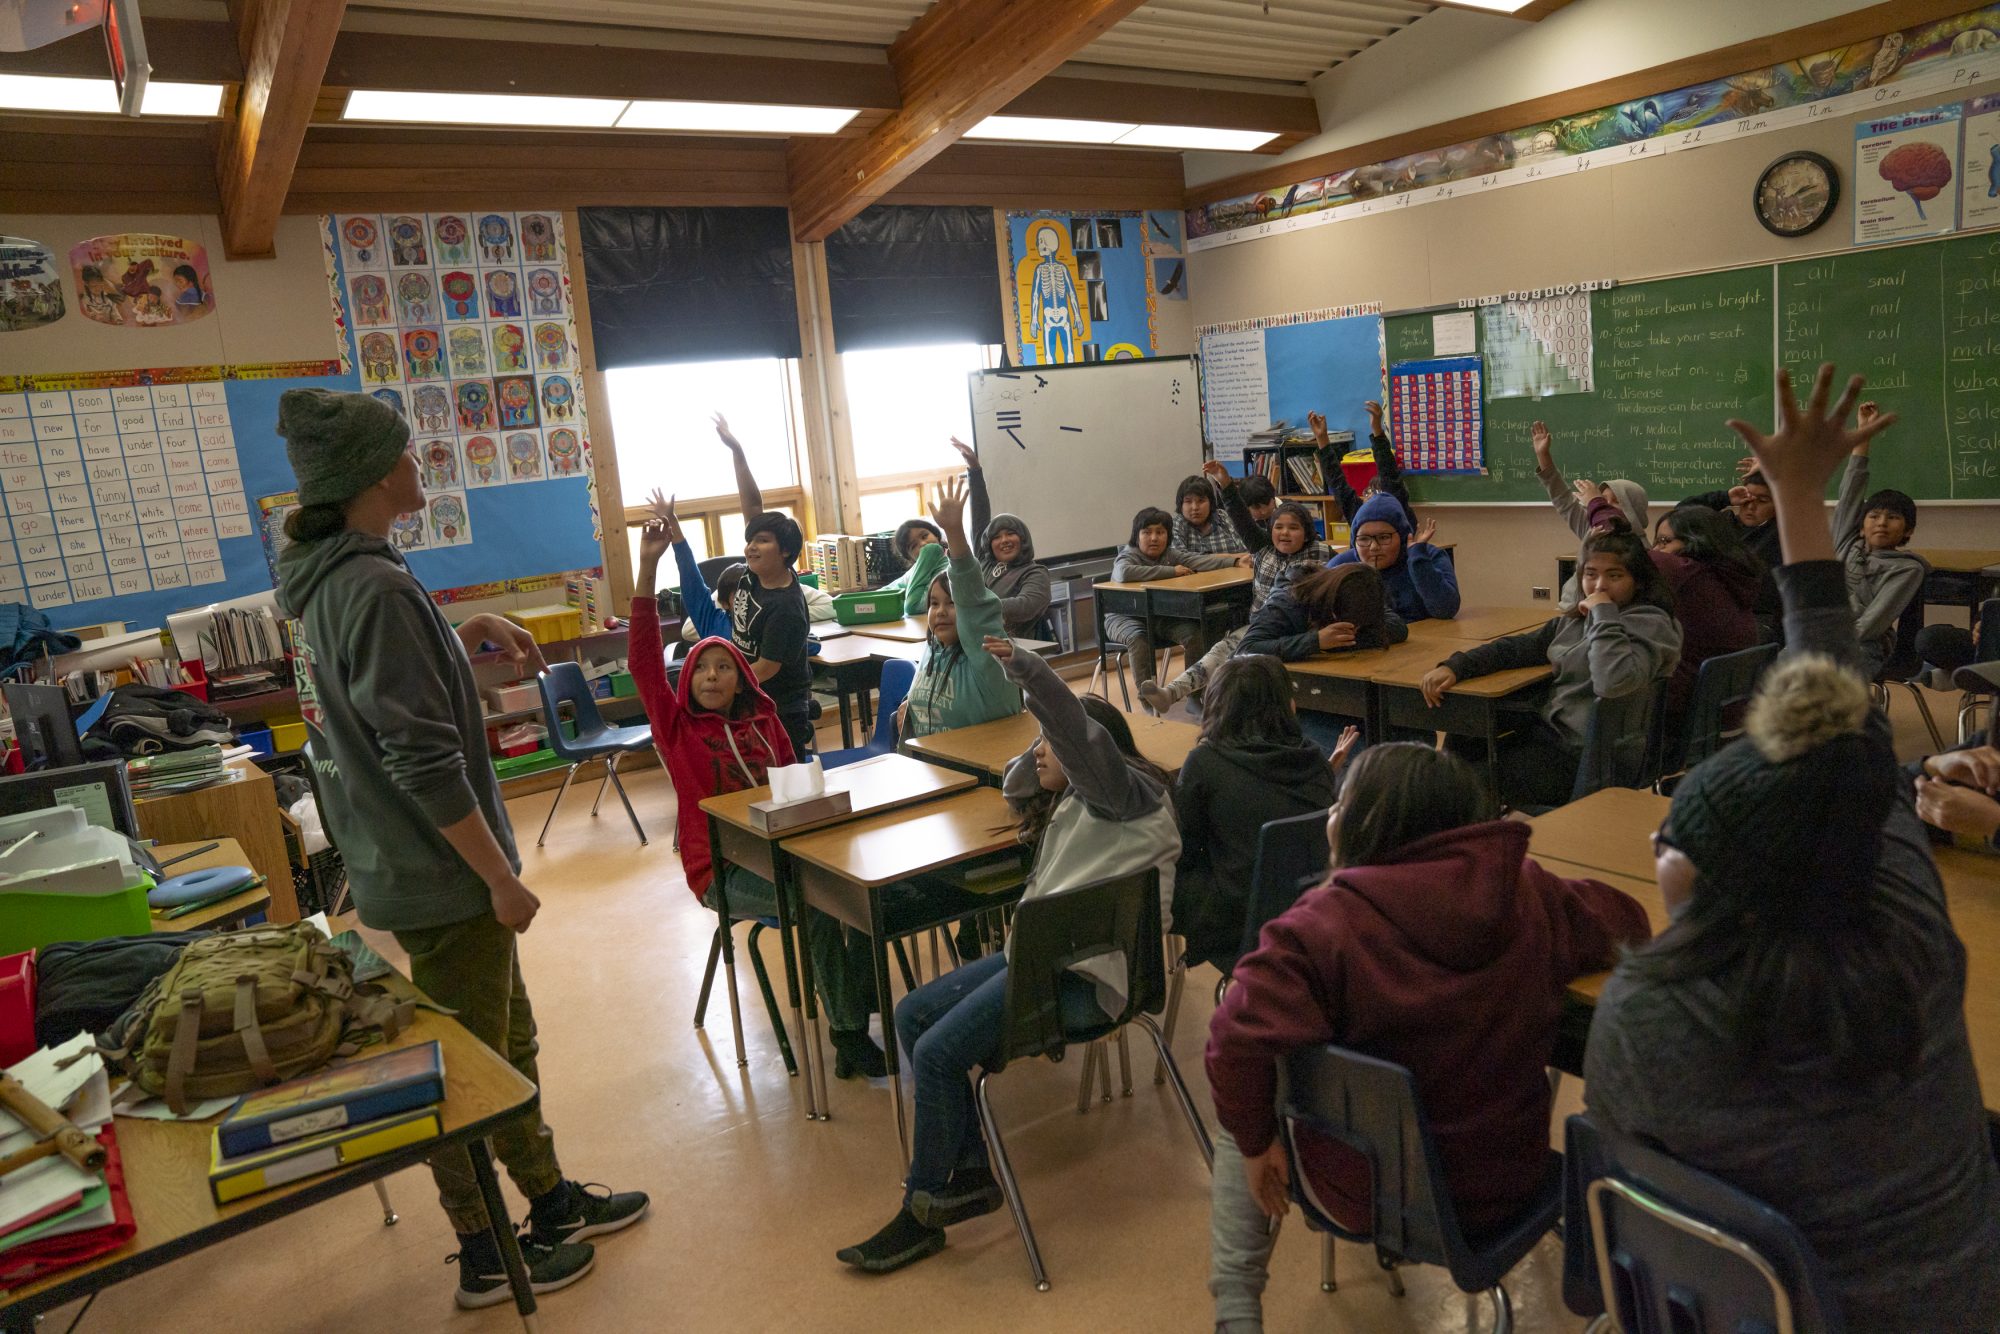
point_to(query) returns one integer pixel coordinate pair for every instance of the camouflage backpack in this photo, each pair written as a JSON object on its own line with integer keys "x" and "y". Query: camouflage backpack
{"x": 243, "y": 1009}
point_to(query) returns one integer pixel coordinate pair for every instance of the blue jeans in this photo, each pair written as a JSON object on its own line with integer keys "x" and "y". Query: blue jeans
{"x": 947, "y": 1026}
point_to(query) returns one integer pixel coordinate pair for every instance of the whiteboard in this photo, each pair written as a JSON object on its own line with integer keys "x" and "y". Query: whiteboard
{"x": 1076, "y": 451}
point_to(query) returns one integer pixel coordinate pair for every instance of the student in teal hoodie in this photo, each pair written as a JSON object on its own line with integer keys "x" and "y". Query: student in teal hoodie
{"x": 414, "y": 806}
{"x": 958, "y": 682}
{"x": 923, "y": 547}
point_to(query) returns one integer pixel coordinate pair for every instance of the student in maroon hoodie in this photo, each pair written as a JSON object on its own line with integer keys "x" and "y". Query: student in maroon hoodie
{"x": 1435, "y": 943}
{"x": 719, "y": 732}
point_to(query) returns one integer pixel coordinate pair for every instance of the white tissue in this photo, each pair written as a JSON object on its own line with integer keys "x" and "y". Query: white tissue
{"x": 798, "y": 782}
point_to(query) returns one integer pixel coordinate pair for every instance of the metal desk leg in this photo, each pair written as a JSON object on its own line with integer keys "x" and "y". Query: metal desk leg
{"x": 720, "y": 892}
{"x": 840, "y": 693}
{"x": 786, "y": 922}
{"x": 502, "y": 1229}
{"x": 879, "y": 947}
{"x": 788, "y": 884}
{"x": 1493, "y": 751}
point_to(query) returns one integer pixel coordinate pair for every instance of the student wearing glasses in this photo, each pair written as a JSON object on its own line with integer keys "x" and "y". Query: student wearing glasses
{"x": 1416, "y": 575}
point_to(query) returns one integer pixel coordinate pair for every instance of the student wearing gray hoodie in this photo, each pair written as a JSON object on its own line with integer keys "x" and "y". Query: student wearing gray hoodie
{"x": 1572, "y": 502}
{"x": 1150, "y": 554}
{"x": 1869, "y": 532}
{"x": 414, "y": 806}
{"x": 1006, "y": 551}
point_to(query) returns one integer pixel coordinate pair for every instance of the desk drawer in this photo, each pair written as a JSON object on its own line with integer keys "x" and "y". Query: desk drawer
{"x": 1331, "y": 694}
{"x": 1459, "y": 715}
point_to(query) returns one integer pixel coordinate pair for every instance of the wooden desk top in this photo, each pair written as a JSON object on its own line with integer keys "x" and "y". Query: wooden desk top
{"x": 989, "y": 746}
{"x": 1199, "y": 582}
{"x": 1409, "y": 673}
{"x": 1609, "y": 831}
{"x": 902, "y": 844}
{"x": 873, "y": 785}
{"x": 166, "y": 1162}
{"x": 827, "y": 630}
{"x": 228, "y": 852}
{"x": 1363, "y": 664}
{"x": 846, "y": 652}
{"x": 1481, "y": 623}
{"x": 1958, "y": 560}
{"x": 884, "y": 650}
{"x": 909, "y": 630}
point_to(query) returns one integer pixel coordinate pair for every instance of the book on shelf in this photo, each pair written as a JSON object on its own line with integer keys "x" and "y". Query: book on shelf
{"x": 333, "y": 1098}
{"x": 234, "y": 1178}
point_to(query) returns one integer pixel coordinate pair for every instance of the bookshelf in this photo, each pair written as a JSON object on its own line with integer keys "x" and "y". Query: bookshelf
{"x": 1298, "y": 469}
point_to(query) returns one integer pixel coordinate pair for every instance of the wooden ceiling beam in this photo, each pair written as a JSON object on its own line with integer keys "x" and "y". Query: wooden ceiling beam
{"x": 285, "y": 45}
{"x": 961, "y": 62}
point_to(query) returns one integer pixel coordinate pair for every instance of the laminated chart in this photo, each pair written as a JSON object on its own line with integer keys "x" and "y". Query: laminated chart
{"x": 1537, "y": 349}
{"x": 1435, "y": 410}
{"x": 116, "y": 487}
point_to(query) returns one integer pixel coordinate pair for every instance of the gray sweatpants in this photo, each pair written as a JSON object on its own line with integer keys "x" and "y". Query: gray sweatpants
{"x": 1240, "y": 1240}
{"x": 1192, "y": 680}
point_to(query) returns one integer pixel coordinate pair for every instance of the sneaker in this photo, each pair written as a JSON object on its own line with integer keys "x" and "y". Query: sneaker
{"x": 571, "y": 1212}
{"x": 968, "y": 1193}
{"x": 855, "y": 1054}
{"x": 903, "y": 1242}
{"x": 482, "y": 1275}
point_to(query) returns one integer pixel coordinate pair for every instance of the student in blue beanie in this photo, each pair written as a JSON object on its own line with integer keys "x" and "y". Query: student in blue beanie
{"x": 1417, "y": 576}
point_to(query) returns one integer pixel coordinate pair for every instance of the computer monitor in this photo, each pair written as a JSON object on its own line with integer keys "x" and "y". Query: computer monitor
{"x": 100, "y": 789}
{"x": 43, "y": 726}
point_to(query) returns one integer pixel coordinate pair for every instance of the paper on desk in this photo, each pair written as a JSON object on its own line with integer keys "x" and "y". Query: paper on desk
{"x": 40, "y": 1189}
{"x": 797, "y": 782}
{"x": 89, "y": 1110}
{"x": 93, "y": 1210}
{"x": 155, "y": 1109}
{"x": 44, "y": 1074}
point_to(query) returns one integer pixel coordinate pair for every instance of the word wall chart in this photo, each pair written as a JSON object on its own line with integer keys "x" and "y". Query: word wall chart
{"x": 115, "y": 488}
{"x": 462, "y": 322}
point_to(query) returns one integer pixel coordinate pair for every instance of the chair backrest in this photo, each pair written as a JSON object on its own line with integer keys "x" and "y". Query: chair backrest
{"x": 1054, "y": 931}
{"x": 1680, "y": 1251}
{"x": 897, "y": 676}
{"x": 712, "y": 568}
{"x": 312, "y": 783}
{"x": 1989, "y": 631}
{"x": 1715, "y": 711}
{"x": 1371, "y": 1106}
{"x": 563, "y": 683}
{"x": 1623, "y": 742}
{"x": 1291, "y": 855}
{"x": 1906, "y": 662}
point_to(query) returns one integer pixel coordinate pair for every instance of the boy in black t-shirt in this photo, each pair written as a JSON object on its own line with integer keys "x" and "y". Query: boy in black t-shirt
{"x": 768, "y": 620}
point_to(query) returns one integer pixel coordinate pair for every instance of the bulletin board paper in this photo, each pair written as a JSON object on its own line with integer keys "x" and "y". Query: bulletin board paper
{"x": 1536, "y": 349}
{"x": 1327, "y": 361}
{"x": 1437, "y": 409}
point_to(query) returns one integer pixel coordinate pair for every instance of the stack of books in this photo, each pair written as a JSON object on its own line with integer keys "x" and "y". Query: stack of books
{"x": 343, "y": 1114}
{"x": 54, "y": 1214}
{"x": 176, "y": 771}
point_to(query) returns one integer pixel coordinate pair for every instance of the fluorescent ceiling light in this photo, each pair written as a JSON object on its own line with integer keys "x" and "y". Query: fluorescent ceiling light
{"x": 1051, "y": 129}
{"x": 38, "y": 92}
{"x": 734, "y": 117}
{"x": 380, "y": 104}
{"x": 1497, "y": 6}
{"x": 1197, "y": 136}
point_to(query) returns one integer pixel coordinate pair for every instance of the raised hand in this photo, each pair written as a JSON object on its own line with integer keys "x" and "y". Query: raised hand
{"x": 1436, "y": 681}
{"x": 999, "y": 647}
{"x": 663, "y": 515}
{"x": 1745, "y": 466}
{"x": 722, "y": 430}
{"x": 1427, "y": 531}
{"x": 653, "y": 542}
{"x": 949, "y": 507}
{"x": 1217, "y": 475}
{"x": 1374, "y": 411}
{"x": 1586, "y": 491}
{"x": 1343, "y": 748}
{"x": 1543, "y": 442}
{"x": 966, "y": 452}
{"x": 1317, "y": 421}
{"x": 1806, "y": 449}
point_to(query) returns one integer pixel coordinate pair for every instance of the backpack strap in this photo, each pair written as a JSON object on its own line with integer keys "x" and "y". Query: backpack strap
{"x": 187, "y": 1037}
{"x": 251, "y": 1033}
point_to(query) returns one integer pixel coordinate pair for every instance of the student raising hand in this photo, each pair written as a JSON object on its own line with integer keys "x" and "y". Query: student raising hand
{"x": 723, "y": 432}
{"x": 1804, "y": 452}
{"x": 966, "y": 452}
{"x": 1374, "y": 411}
{"x": 949, "y": 511}
{"x": 1543, "y": 443}
{"x": 1218, "y": 475}
{"x": 1317, "y": 421}
{"x": 664, "y": 516}
{"x": 1426, "y": 533}
{"x": 1350, "y": 737}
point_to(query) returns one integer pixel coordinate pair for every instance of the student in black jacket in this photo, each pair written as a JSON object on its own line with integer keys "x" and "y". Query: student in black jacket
{"x": 1748, "y": 505}
{"x": 1252, "y": 765}
{"x": 1388, "y": 473}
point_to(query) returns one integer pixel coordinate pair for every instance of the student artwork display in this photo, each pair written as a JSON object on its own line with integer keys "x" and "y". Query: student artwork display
{"x": 117, "y": 484}
{"x": 31, "y": 284}
{"x": 1921, "y": 62}
{"x": 462, "y": 323}
{"x": 141, "y": 280}
{"x": 1084, "y": 287}
{"x": 1903, "y": 176}
{"x": 1435, "y": 410}
{"x": 1979, "y": 171}
{"x": 1537, "y": 349}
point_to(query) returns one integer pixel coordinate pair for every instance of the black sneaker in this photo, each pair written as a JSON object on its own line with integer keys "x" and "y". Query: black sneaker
{"x": 968, "y": 1193}
{"x": 904, "y": 1242}
{"x": 855, "y": 1053}
{"x": 482, "y": 1276}
{"x": 571, "y": 1212}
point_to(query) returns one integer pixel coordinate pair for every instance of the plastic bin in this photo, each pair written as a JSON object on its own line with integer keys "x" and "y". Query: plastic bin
{"x": 29, "y": 921}
{"x": 549, "y": 625}
{"x": 868, "y": 608}
{"x": 17, "y": 1008}
{"x": 622, "y": 685}
{"x": 258, "y": 737}
{"x": 288, "y": 735}
{"x": 534, "y": 762}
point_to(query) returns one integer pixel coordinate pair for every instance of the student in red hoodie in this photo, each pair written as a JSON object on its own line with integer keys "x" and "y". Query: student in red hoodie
{"x": 717, "y": 731}
{"x": 1435, "y": 943}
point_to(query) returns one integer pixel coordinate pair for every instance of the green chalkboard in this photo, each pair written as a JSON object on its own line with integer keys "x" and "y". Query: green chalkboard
{"x": 1673, "y": 360}
{"x": 1922, "y": 323}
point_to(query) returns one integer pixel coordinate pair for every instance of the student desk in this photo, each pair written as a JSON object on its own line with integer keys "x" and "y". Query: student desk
{"x": 873, "y": 786}
{"x": 1960, "y": 578}
{"x": 986, "y": 748}
{"x": 854, "y": 664}
{"x": 909, "y": 630}
{"x": 166, "y": 1179}
{"x": 1342, "y": 681}
{"x": 1213, "y": 599}
{"x": 1480, "y": 623}
{"x": 227, "y": 912}
{"x": 1471, "y": 708}
{"x": 1605, "y": 836}
{"x": 842, "y": 871}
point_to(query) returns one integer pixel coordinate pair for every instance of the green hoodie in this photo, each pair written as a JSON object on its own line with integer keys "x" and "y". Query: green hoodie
{"x": 398, "y": 738}
{"x": 915, "y": 583}
{"x": 961, "y": 686}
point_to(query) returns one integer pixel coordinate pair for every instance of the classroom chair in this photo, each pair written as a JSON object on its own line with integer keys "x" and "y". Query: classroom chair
{"x": 1117, "y": 916}
{"x": 1112, "y": 657}
{"x": 897, "y": 676}
{"x": 712, "y": 568}
{"x": 595, "y": 739}
{"x": 1611, "y": 756}
{"x": 1722, "y": 688}
{"x": 1677, "y": 1250}
{"x": 1905, "y": 668}
{"x": 1371, "y": 1106}
{"x": 758, "y": 925}
{"x": 1974, "y": 693}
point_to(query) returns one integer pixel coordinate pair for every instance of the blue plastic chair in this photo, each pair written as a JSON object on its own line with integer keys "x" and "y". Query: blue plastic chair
{"x": 595, "y": 739}
{"x": 1371, "y": 1106}
{"x": 1680, "y": 1251}
{"x": 897, "y": 675}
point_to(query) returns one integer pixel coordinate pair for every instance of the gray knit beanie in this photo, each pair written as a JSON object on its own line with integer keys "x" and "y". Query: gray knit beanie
{"x": 339, "y": 444}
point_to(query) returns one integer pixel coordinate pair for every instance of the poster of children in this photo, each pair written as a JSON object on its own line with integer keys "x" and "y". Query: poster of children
{"x": 30, "y": 285}
{"x": 141, "y": 280}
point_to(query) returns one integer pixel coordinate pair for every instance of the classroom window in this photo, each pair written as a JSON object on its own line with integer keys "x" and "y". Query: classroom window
{"x": 906, "y": 403}
{"x": 696, "y": 533}
{"x": 732, "y": 528}
{"x": 883, "y": 510}
{"x": 663, "y": 420}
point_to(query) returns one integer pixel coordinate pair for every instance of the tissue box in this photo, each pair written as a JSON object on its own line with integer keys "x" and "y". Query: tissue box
{"x": 775, "y": 817}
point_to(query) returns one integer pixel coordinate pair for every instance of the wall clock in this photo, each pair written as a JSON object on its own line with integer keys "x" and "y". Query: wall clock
{"x": 1796, "y": 194}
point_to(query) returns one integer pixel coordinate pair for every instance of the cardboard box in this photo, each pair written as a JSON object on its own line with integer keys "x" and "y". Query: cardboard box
{"x": 774, "y": 817}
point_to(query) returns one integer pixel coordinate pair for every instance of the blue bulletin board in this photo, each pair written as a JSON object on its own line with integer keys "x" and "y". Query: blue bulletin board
{"x": 1087, "y": 286}
{"x": 1256, "y": 372}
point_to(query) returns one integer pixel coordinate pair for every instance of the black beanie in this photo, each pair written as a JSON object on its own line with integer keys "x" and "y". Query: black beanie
{"x": 1787, "y": 820}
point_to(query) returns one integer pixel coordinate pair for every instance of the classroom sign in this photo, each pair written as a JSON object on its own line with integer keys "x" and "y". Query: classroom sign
{"x": 30, "y": 285}
{"x": 1088, "y": 287}
{"x": 1979, "y": 170}
{"x": 1904, "y": 176}
{"x": 142, "y": 280}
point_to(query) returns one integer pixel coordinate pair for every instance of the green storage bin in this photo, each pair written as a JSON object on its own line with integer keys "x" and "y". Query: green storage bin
{"x": 534, "y": 762}
{"x": 622, "y": 686}
{"x": 29, "y": 921}
{"x": 868, "y": 608}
